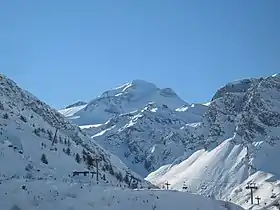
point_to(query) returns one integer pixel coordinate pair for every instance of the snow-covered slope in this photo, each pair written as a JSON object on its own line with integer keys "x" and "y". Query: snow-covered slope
{"x": 28, "y": 139}
{"x": 236, "y": 143}
{"x": 144, "y": 124}
{"x": 148, "y": 138}
{"x": 213, "y": 149}
{"x": 191, "y": 113}
{"x": 37, "y": 165}
{"x": 64, "y": 196}
{"x": 70, "y": 111}
{"x": 126, "y": 98}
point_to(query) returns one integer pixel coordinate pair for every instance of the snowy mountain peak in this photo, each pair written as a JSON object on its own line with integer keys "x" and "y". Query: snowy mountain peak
{"x": 212, "y": 149}
{"x": 127, "y": 98}
{"x": 276, "y": 75}
{"x": 136, "y": 86}
{"x": 237, "y": 87}
{"x": 48, "y": 163}
{"x": 240, "y": 86}
{"x": 141, "y": 83}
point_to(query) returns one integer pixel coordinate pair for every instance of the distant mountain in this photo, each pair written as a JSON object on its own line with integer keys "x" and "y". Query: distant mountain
{"x": 37, "y": 165}
{"x": 143, "y": 124}
{"x": 126, "y": 98}
{"x": 213, "y": 149}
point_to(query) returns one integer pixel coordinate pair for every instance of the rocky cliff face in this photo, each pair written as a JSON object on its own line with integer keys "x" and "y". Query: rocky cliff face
{"x": 236, "y": 143}
{"x": 148, "y": 138}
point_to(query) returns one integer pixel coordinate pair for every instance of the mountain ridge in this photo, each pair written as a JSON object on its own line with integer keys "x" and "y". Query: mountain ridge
{"x": 240, "y": 122}
{"x": 240, "y": 134}
{"x": 33, "y": 117}
{"x": 158, "y": 115}
{"x": 40, "y": 153}
{"x": 123, "y": 99}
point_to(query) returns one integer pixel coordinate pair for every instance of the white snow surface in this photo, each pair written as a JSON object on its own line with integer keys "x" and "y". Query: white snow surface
{"x": 74, "y": 195}
{"x": 27, "y": 128}
{"x": 69, "y": 112}
{"x": 240, "y": 144}
{"x": 140, "y": 123}
{"x": 214, "y": 149}
{"x": 148, "y": 138}
{"x": 126, "y": 98}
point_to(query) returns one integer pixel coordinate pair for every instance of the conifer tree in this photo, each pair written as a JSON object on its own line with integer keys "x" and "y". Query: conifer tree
{"x": 78, "y": 158}
{"x": 44, "y": 159}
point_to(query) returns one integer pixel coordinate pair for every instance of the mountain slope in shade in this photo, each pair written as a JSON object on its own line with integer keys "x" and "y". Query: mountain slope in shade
{"x": 236, "y": 143}
{"x": 126, "y": 98}
{"x": 148, "y": 138}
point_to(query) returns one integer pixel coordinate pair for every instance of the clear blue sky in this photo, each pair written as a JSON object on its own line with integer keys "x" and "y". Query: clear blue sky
{"x": 66, "y": 50}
